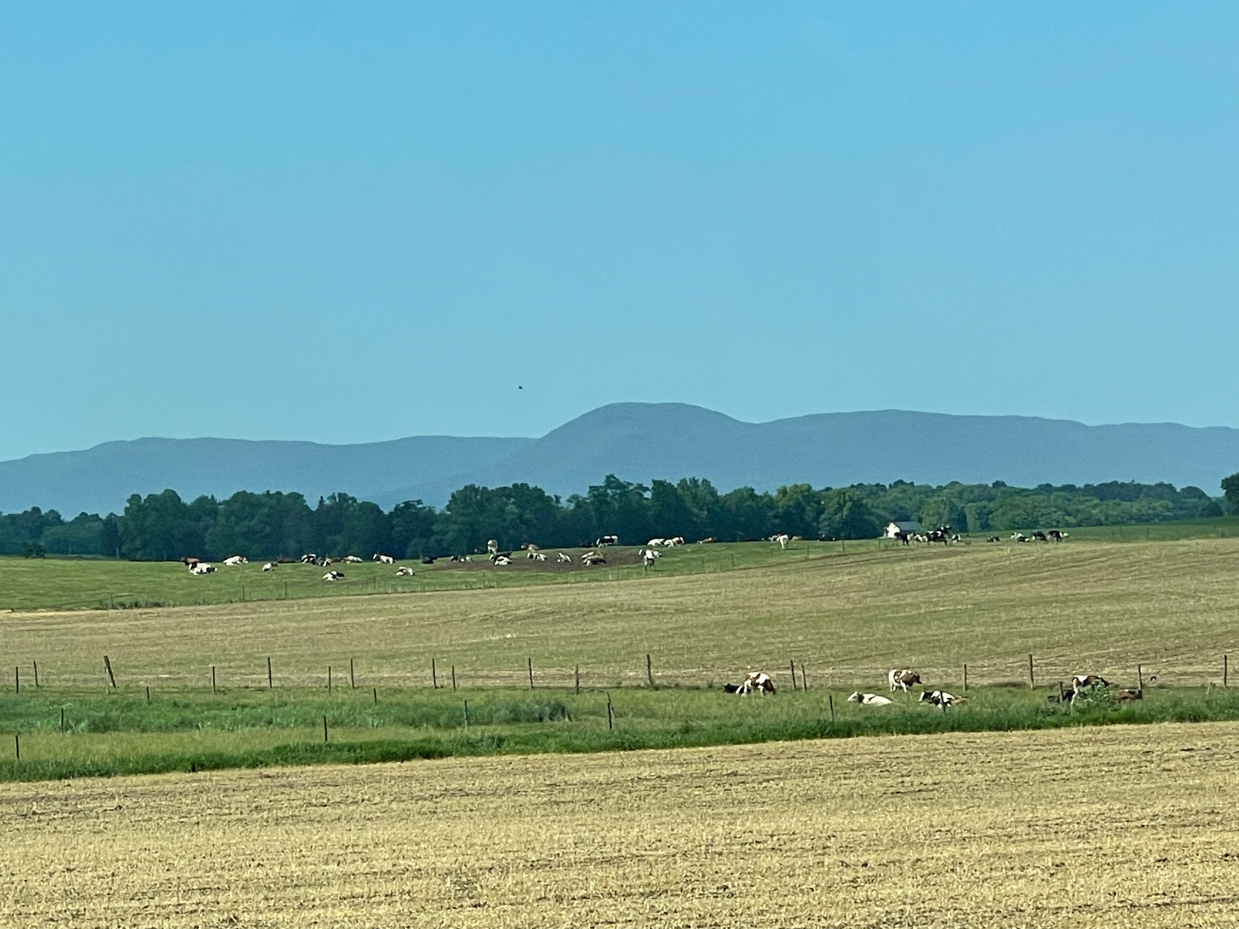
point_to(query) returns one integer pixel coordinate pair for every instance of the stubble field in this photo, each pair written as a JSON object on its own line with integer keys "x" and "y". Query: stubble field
{"x": 1115, "y": 827}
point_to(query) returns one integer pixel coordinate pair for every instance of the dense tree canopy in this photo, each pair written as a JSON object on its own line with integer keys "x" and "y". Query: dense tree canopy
{"x": 269, "y": 525}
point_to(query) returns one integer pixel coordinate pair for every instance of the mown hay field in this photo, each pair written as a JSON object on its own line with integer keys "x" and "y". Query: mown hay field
{"x": 1171, "y": 606}
{"x": 1113, "y": 827}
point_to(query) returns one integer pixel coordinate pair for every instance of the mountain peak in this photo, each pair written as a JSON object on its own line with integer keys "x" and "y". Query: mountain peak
{"x": 638, "y": 442}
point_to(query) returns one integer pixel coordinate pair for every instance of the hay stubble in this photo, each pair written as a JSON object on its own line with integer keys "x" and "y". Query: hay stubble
{"x": 1115, "y": 827}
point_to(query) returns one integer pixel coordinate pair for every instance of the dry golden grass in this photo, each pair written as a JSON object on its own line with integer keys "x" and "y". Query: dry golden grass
{"x": 1080, "y": 605}
{"x": 1114, "y": 827}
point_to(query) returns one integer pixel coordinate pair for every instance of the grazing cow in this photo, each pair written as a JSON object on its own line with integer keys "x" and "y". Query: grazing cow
{"x": 1018, "y": 537}
{"x": 674, "y": 540}
{"x": 501, "y": 561}
{"x": 190, "y": 562}
{"x": 536, "y": 556}
{"x": 352, "y": 559}
{"x": 707, "y": 540}
{"x": 606, "y": 540}
{"x": 592, "y": 558}
{"x": 428, "y": 559}
{"x": 1056, "y": 536}
{"x": 654, "y": 543}
{"x": 383, "y": 559}
{"x": 753, "y": 681}
{"x": 269, "y": 566}
{"x": 1039, "y": 536}
{"x": 648, "y": 557}
{"x": 1129, "y": 695}
{"x": 233, "y": 561}
{"x": 202, "y": 568}
{"x": 782, "y": 538}
{"x": 940, "y": 699}
{"x": 529, "y": 547}
{"x": 902, "y": 679}
{"x": 333, "y": 576}
{"x": 491, "y": 546}
{"x": 561, "y": 558}
{"x": 993, "y": 538}
{"x": 309, "y": 559}
{"x": 868, "y": 699}
{"x": 403, "y": 571}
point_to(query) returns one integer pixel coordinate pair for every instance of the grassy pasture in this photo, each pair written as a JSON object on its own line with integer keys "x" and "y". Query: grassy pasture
{"x": 189, "y": 731}
{"x": 844, "y": 618}
{"x": 86, "y": 583}
{"x": 1116, "y": 827}
{"x": 98, "y": 584}
{"x": 1100, "y": 606}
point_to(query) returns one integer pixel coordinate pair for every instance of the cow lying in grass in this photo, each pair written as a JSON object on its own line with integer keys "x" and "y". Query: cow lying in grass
{"x": 941, "y": 699}
{"x": 869, "y": 699}
{"x": 754, "y": 681}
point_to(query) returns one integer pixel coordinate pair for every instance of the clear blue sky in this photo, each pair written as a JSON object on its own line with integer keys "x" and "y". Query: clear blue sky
{"x": 349, "y": 222}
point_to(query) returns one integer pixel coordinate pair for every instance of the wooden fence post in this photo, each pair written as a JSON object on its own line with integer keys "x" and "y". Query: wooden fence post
{"x": 1031, "y": 679}
{"x": 965, "y": 678}
{"x": 1140, "y": 677}
{"x": 324, "y": 729}
{"x": 434, "y": 675}
{"x": 453, "y": 677}
{"x": 804, "y": 678}
{"x": 17, "y": 680}
{"x": 375, "y": 691}
{"x": 148, "y": 693}
{"x": 62, "y": 719}
{"x": 576, "y": 675}
{"x": 212, "y": 678}
{"x": 270, "y": 685}
{"x": 36, "y": 673}
{"x": 107, "y": 666}
{"x": 610, "y": 714}
{"x": 328, "y": 681}
{"x": 649, "y": 670}
{"x": 466, "y": 714}
{"x": 17, "y": 747}
{"x": 793, "y": 667}
{"x": 831, "y": 698}
{"x": 529, "y": 662}
{"x": 1225, "y": 670}
{"x": 352, "y": 683}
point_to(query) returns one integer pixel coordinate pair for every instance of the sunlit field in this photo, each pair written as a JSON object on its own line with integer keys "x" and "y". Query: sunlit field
{"x": 1126, "y": 826}
{"x": 253, "y": 683}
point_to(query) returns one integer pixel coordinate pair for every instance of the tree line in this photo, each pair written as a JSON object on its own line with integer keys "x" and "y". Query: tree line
{"x": 161, "y": 527}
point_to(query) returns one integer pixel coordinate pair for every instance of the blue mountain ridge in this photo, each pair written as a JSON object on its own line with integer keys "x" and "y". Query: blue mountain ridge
{"x": 638, "y": 442}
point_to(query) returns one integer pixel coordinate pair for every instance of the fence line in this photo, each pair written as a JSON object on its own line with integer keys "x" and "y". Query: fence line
{"x": 260, "y": 674}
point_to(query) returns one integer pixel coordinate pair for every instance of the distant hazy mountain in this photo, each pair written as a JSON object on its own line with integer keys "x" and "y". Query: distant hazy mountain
{"x": 639, "y": 442}
{"x": 100, "y": 479}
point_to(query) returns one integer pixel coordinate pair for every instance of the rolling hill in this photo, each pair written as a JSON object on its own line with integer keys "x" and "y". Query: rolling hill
{"x": 638, "y": 442}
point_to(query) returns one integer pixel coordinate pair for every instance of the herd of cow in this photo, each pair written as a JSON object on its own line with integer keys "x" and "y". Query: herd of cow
{"x": 903, "y": 679}
{"x": 199, "y": 567}
{"x": 1052, "y": 536}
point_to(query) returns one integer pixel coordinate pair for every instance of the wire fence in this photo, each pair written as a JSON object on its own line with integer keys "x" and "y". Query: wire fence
{"x": 788, "y": 674}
